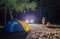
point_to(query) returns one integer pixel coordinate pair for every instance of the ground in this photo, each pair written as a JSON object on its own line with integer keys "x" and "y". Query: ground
{"x": 44, "y": 33}
{"x": 36, "y": 32}
{"x": 17, "y": 35}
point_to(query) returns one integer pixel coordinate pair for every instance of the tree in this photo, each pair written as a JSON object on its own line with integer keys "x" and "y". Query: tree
{"x": 8, "y": 4}
{"x": 18, "y": 5}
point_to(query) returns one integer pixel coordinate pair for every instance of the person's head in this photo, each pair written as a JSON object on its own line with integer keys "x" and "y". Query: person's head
{"x": 43, "y": 17}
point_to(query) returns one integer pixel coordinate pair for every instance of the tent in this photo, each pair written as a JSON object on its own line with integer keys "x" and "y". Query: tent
{"x": 16, "y": 25}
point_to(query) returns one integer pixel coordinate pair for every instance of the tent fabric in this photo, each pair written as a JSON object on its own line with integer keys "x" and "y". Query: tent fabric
{"x": 16, "y": 25}
{"x": 25, "y": 25}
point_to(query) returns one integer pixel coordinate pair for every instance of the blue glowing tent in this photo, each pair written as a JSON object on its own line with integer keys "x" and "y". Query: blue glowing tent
{"x": 16, "y": 25}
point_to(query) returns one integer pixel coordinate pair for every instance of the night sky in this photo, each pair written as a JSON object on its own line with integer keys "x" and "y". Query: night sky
{"x": 52, "y": 9}
{"x": 46, "y": 8}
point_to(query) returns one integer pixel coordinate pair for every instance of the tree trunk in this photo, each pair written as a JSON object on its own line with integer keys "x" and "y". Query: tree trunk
{"x": 5, "y": 13}
{"x": 10, "y": 11}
